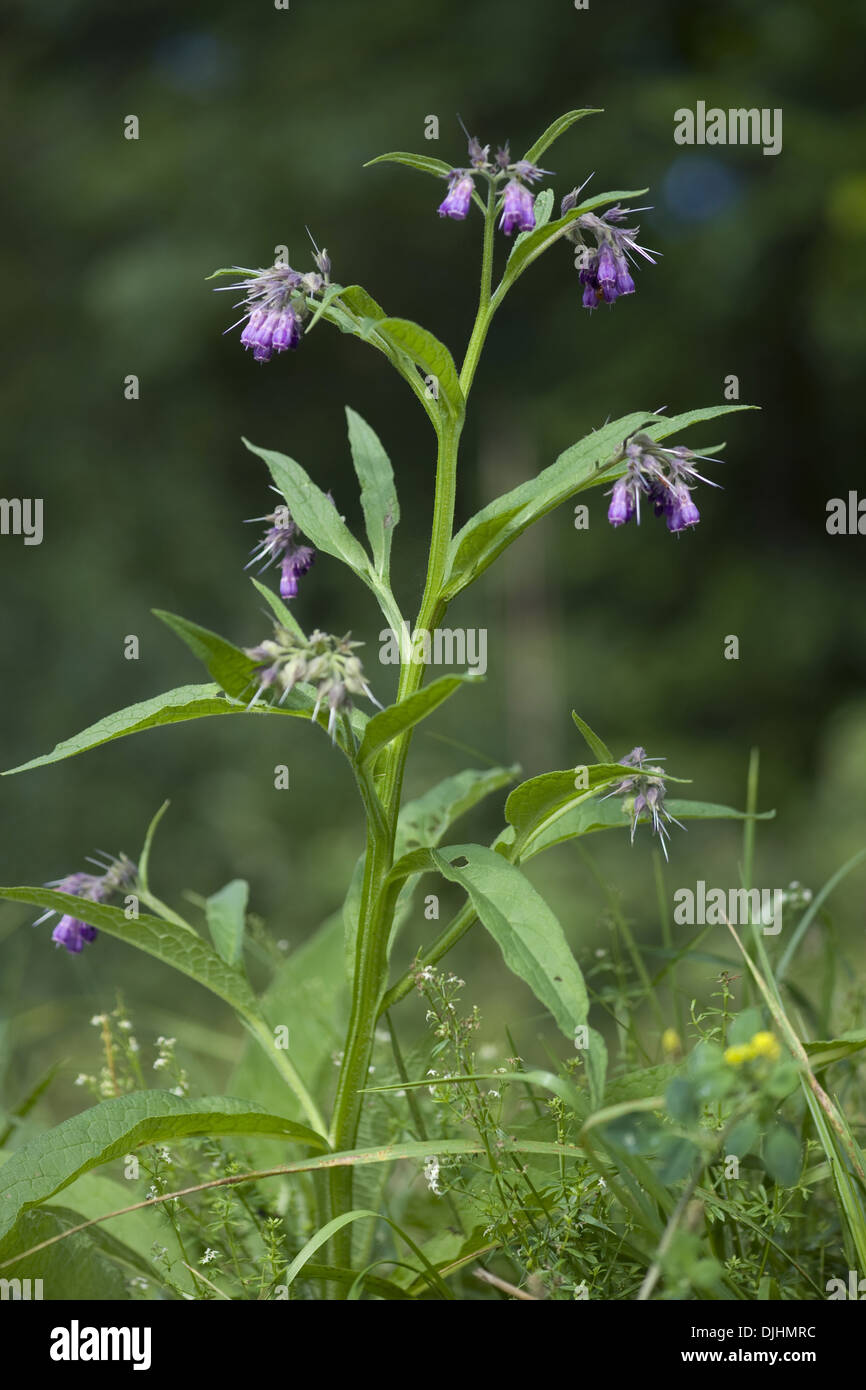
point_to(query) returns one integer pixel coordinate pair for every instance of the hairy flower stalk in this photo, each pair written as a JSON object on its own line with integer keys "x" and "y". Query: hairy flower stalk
{"x": 279, "y": 545}
{"x": 665, "y": 477}
{"x": 118, "y": 875}
{"x": 517, "y": 202}
{"x": 276, "y": 305}
{"x": 644, "y": 795}
{"x": 326, "y": 662}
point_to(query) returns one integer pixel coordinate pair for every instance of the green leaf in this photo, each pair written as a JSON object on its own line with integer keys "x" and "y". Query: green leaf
{"x": 557, "y": 128}
{"x": 232, "y": 669}
{"x": 226, "y": 918}
{"x": 87, "y": 1266}
{"x": 529, "y": 936}
{"x": 431, "y": 356}
{"x": 144, "y": 858}
{"x": 183, "y": 950}
{"x": 425, "y": 820}
{"x": 422, "y": 162}
{"x": 308, "y": 995}
{"x": 378, "y": 493}
{"x": 537, "y": 805}
{"x": 396, "y": 719}
{"x": 281, "y": 611}
{"x": 782, "y": 1155}
{"x": 173, "y": 707}
{"x": 822, "y": 1053}
{"x": 743, "y": 1137}
{"x": 54, "y": 1159}
{"x": 594, "y": 743}
{"x": 595, "y": 815}
{"x": 581, "y": 466}
{"x": 681, "y": 1100}
{"x": 313, "y": 511}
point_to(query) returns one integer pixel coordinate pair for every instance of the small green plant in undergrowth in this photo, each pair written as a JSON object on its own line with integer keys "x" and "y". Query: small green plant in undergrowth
{"x": 700, "y": 1159}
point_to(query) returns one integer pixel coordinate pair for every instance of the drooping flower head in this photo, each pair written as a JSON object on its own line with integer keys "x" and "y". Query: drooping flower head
{"x": 517, "y": 201}
{"x": 664, "y": 477}
{"x": 605, "y": 250}
{"x": 117, "y": 875}
{"x": 644, "y": 796}
{"x": 276, "y": 304}
{"x": 325, "y": 662}
{"x": 280, "y": 545}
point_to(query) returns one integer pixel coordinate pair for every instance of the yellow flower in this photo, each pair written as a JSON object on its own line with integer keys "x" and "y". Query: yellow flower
{"x": 766, "y": 1045}
{"x": 735, "y": 1056}
{"x": 671, "y": 1041}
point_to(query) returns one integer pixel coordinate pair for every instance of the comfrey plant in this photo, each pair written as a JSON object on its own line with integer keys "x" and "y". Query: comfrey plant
{"x": 333, "y": 1116}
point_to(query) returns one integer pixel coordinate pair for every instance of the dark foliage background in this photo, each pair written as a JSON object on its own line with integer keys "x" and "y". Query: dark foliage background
{"x": 255, "y": 122}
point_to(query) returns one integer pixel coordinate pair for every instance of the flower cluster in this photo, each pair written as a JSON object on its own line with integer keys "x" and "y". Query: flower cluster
{"x": 517, "y": 201}
{"x": 279, "y": 545}
{"x": 604, "y": 252}
{"x": 664, "y": 476}
{"x": 117, "y": 875}
{"x": 644, "y": 796}
{"x": 326, "y": 662}
{"x": 276, "y": 305}
{"x": 763, "y": 1045}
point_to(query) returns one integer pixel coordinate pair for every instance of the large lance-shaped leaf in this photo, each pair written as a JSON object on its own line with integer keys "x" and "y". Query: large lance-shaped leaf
{"x": 378, "y": 493}
{"x": 396, "y": 719}
{"x": 538, "y": 804}
{"x": 57, "y": 1157}
{"x": 583, "y": 465}
{"x": 183, "y": 950}
{"x": 557, "y": 128}
{"x": 431, "y": 356}
{"x": 314, "y": 512}
{"x": 187, "y": 702}
{"x": 531, "y": 940}
{"x": 528, "y": 934}
{"x": 85, "y": 1267}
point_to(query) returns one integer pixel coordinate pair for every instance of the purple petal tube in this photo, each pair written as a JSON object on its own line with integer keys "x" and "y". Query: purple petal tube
{"x": 517, "y": 211}
{"x": 72, "y": 934}
{"x": 287, "y": 332}
{"x": 683, "y": 513}
{"x": 456, "y": 201}
{"x": 590, "y": 297}
{"x": 621, "y": 507}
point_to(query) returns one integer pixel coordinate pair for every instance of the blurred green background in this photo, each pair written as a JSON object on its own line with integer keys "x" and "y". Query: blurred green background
{"x": 255, "y": 122}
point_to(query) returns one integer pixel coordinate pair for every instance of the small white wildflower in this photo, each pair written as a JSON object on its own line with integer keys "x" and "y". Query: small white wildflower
{"x": 600, "y": 951}
{"x": 177, "y": 1091}
{"x": 152, "y": 1191}
{"x": 132, "y": 1044}
{"x": 81, "y": 1079}
{"x": 164, "y": 1154}
{"x": 160, "y": 1063}
{"x": 494, "y": 1094}
{"x": 209, "y": 1256}
{"x": 166, "y": 1042}
{"x": 125, "y": 1024}
{"x": 98, "y": 1020}
{"x": 282, "y": 944}
{"x": 431, "y": 1175}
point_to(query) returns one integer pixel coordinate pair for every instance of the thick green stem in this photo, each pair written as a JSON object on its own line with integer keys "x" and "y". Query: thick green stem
{"x": 374, "y": 920}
